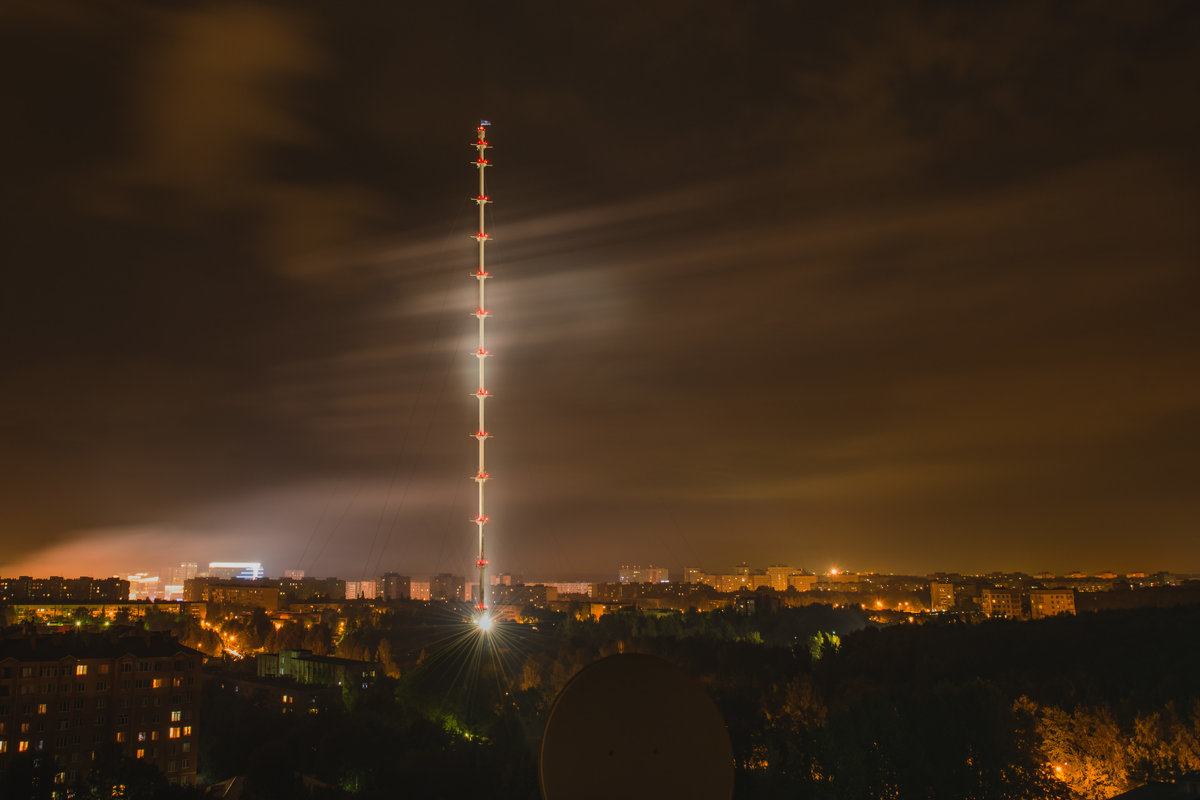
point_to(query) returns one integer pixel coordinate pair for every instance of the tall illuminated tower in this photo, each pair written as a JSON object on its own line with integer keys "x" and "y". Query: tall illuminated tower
{"x": 481, "y": 354}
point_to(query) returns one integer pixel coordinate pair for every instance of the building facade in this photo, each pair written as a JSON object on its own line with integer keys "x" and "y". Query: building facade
{"x": 394, "y": 586}
{"x": 361, "y": 590}
{"x": 447, "y": 587}
{"x": 941, "y": 596}
{"x": 1000, "y": 603}
{"x": 227, "y": 570}
{"x": 66, "y": 697}
{"x": 1050, "y": 602}
{"x": 55, "y": 589}
{"x": 802, "y": 582}
{"x": 777, "y": 577}
{"x": 303, "y": 667}
{"x": 246, "y": 593}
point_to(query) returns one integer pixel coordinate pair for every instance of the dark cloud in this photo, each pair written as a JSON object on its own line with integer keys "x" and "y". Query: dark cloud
{"x": 894, "y": 289}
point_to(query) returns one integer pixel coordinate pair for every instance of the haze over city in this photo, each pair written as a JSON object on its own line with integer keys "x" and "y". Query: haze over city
{"x": 899, "y": 290}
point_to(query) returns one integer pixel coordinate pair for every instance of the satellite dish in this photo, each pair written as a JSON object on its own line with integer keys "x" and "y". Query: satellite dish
{"x": 634, "y": 726}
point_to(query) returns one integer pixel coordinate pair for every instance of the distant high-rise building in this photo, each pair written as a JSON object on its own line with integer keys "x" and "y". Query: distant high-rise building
{"x": 692, "y": 575}
{"x": 312, "y": 589}
{"x": 420, "y": 590}
{"x": 143, "y": 586}
{"x": 246, "y": 570}
{"x": 243, "y": 593}
{"x": 941, "y": 596}
{"x": 394, "y": 586}
{"x": 629, "y": 573}
{"x": 1001, "y": 603}
{"x": 572, "y": 587}
{"x": 183, "y": 572}
{"x": 295, "y": 574}
{"x": 1050, "y": 602}
{"x": 538, "y": 594}
{"x": 802, "y": 582}
{"x": 777, "y": 577}
{"x": 447, "y": 587}
{"x": 632, "y": 573}
{"x": 730, "y": 582}
{"x": 173, "y": 579}
{"x": 56, "y": 589}
{"x": 840, "y": 580}
{"x": 360, "y": 590}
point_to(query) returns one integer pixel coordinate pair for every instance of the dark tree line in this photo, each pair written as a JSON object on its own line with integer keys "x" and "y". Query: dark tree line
{"x": 818, "y": 704}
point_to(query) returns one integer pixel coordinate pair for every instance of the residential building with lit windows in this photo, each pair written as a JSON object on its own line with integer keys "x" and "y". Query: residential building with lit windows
{"x": 777, "y": 577}
{"x": 303, "y": 667}
{"x": 538, "y": 595}
{"x": 941, "y": 595}
{"x": 446, "y": 587}
{"x": 66, "y": 696}
{"x": 802, "y": 582}
{"x": 54, "y": 589}
{"x": 395, "y": 586}
{"x": 629, "y": 573}
{"x": 1050, "y": 602}
{"x": 1002, "y": 603}
{"x": 246, "y": 593}
{"x": 653, "y": 574}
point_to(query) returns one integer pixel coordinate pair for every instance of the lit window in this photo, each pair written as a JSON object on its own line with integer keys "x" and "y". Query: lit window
{"x": 120, "y": 736}
{"x": 41, "y": 708}
{"x": 3, "y": 746}
{"x": 176, "y": 716}
{"x": 187, "y": 730}
{"x": 81, "y": 669}
{"x": 172, "y": 733}
{"x": 157, "y": 683}
{"x": 22, "y": 746}
{"x": 141, "y": 736}
{"x": 140, "y": 753}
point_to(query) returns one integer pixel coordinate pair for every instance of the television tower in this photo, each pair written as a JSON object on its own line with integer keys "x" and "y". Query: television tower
{"x": 481, "y": 313}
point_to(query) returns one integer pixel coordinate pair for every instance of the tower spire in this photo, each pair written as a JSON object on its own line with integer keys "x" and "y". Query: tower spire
{"x": 481, "y": 313}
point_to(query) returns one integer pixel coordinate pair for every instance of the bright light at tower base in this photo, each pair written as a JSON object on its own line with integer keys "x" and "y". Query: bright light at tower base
{"x": 483, "y": 622}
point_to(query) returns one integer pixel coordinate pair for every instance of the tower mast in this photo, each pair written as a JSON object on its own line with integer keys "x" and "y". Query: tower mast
{"x": 481, "y": 313}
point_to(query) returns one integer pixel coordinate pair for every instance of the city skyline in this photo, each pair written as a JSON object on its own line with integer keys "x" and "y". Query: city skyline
{"x": 170, "y": 576}
{"x": 904, "y": 290}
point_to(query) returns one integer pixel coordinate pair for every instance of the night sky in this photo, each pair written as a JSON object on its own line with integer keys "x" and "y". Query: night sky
{"x": 825, "y": 284}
